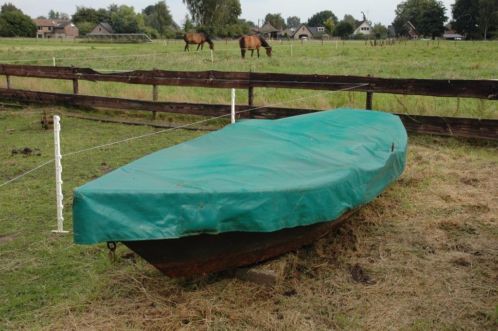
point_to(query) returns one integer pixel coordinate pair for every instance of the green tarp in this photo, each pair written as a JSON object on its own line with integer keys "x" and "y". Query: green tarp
{"x": 255, "y": 175}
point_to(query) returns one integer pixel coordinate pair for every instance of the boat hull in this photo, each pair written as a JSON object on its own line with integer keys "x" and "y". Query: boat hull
{"x": 205, "y": 254}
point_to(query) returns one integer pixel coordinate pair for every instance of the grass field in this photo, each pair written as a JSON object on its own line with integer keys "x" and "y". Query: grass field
{"x": 422, "y": 256}
{"x": 427, "y": 249}
{"x": 420, "y": 59}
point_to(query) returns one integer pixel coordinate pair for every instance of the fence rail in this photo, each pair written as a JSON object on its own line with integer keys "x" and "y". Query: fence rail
{"x": 473, "y": 128}
{"x": 481, "y": 89}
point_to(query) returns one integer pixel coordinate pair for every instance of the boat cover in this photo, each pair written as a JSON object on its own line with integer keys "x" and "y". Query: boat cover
{"x": 253, "y": 176}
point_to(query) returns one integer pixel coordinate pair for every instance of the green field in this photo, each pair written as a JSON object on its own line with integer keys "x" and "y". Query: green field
{"x": 413, "y": 59}
{"x": 427, "y": 247}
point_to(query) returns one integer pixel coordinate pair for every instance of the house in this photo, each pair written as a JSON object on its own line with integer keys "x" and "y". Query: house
{"x": 268, "y": 31}
{"x": 452, "y": 35}
{"x": 365, "y": 29}
{"x": 309, "y": 32}
{"x": 412, "y": 31}
{"x": 46, "y": 28}
{"x": 101, "y": 29}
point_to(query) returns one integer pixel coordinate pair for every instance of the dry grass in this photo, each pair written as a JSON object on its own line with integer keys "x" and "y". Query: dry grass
{"x": 422, "y": 256}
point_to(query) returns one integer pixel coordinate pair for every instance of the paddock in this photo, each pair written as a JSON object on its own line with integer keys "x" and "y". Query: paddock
{"x": 423, "y": 255}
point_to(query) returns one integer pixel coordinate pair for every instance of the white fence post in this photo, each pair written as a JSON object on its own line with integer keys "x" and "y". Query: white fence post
{"x": 53, "y": 60}
{"x": 58, "y": 176}
{"x": 212, "y": 56}
{"x": 232, "y": 113}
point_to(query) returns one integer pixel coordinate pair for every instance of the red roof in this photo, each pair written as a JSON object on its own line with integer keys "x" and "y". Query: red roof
{"x": 53, "y": 23}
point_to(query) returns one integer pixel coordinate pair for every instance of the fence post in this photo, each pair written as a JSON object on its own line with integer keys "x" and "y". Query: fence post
{"x": 212, "y": 56}
{"x": 251, "y": 96}
{"x": 369, "y": 100}
{"x": 155, "y": 98}
{"x": 291, "y": 49}
{"x": 7, "y": 79}
{"x": 58, "y": 176}
{"x": 76, "y": 87}
{"x": 53, "y": 60}
{"x": 232, "y": 108}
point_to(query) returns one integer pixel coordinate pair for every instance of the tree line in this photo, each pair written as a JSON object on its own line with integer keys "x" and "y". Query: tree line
{"x": 476, "y": 19}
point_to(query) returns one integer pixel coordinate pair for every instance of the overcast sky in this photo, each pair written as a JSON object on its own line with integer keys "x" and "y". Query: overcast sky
{"x": 376, "y": 10}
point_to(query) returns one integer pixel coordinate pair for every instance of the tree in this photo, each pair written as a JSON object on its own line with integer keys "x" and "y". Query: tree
{"x": 293, "y": 22}
{"x": 13, "y": 23}
{"x": 428, "y": 16}
{"x": 319, "y": 18}
{"x": 85, "y": 27}
{"x": 91, "y": 15}
{"x": 343, "y": 29}
{"x": 8, "y": 7}
{"x": 329, "y": 25}
{"x": 53, "y": 15}
{"x": 158, "y": 17}
{"x": 125, "y": 20}
{"x": 213, "y": 15}
{"x": 488, "y": 16}
{"x": 188, "y": 25}
{"x": 466, "y": 17}
{"x": 380, "y": 31}
{"x": 351, "y": 20}
{"x": 276, "y": 20}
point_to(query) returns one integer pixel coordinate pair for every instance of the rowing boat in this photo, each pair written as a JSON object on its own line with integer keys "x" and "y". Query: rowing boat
{"x": 246, "y": 193}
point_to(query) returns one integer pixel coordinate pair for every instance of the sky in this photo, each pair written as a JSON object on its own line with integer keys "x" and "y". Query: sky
{"x": 376, "y": 10}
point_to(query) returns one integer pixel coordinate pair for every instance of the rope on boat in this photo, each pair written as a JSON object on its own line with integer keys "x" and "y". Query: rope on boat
{"x": 175, "y": 128}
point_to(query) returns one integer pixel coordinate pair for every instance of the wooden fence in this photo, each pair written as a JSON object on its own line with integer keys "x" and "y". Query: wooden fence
{"x": 462, "y": 127}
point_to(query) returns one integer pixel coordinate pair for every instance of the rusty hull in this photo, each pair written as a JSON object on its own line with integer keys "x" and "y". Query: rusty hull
{"x": 204, "y": 254}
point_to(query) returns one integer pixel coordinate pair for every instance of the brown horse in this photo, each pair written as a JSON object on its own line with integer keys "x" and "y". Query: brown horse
{"x": 252, "y": 43}
{"x": 197, "y": 38}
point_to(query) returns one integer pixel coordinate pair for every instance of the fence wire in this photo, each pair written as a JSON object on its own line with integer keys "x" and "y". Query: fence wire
{"x": 350, "y": 88}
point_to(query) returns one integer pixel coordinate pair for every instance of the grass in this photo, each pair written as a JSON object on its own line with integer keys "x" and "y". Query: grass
{"x": 427, "y": 247}
{"x": 417, "y": 59}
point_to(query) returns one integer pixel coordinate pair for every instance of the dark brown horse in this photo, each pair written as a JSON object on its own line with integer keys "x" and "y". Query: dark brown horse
{"x": 252, "y": 43}
{"x": 197, "y": 38}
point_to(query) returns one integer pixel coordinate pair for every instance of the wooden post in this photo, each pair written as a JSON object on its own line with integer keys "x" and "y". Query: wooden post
{"x": 251, "y": 96}
{"x": 155, "y": 98}
{"x": 76, "y": 88}
{"x": 7, "y": 78}
{"x": 369, "y": 100}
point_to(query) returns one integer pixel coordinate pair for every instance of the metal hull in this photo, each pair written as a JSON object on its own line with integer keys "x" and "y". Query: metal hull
{"x": 205, "y": 254}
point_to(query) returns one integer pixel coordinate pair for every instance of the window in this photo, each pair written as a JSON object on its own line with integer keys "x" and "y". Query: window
{"x": 321, "y": 29}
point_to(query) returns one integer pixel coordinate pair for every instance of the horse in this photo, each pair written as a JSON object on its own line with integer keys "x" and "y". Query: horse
{"x": 253, "y": 43}
{"x": 197, "y": 38}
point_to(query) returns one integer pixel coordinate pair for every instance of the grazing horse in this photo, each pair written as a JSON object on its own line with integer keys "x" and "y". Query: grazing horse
{"x": 197, "y": 38}
{"x": 253, "y": 43}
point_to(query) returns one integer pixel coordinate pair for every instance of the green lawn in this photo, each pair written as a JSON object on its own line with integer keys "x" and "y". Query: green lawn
{"x": 413, "y": 59}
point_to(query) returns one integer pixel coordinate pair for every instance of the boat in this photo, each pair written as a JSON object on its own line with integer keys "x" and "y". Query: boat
{"x": 246, "y": 193}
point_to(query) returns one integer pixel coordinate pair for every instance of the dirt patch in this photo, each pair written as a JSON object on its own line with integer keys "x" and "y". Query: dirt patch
{"x": 359, "y": 275}
{"x": 7, "y": 238}
{"x": 26, "y": 151}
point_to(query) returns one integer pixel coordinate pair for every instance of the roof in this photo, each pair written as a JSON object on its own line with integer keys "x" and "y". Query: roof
{"x": 313, "y": 30}
{"x": 106, "y": 26}
{"x": 452, "y": 35}
{"x": 363, "y": 24}
{"x": 410, "y": 24}
{"x": 268, "y": 28}
{"x": 53, "y": 23}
